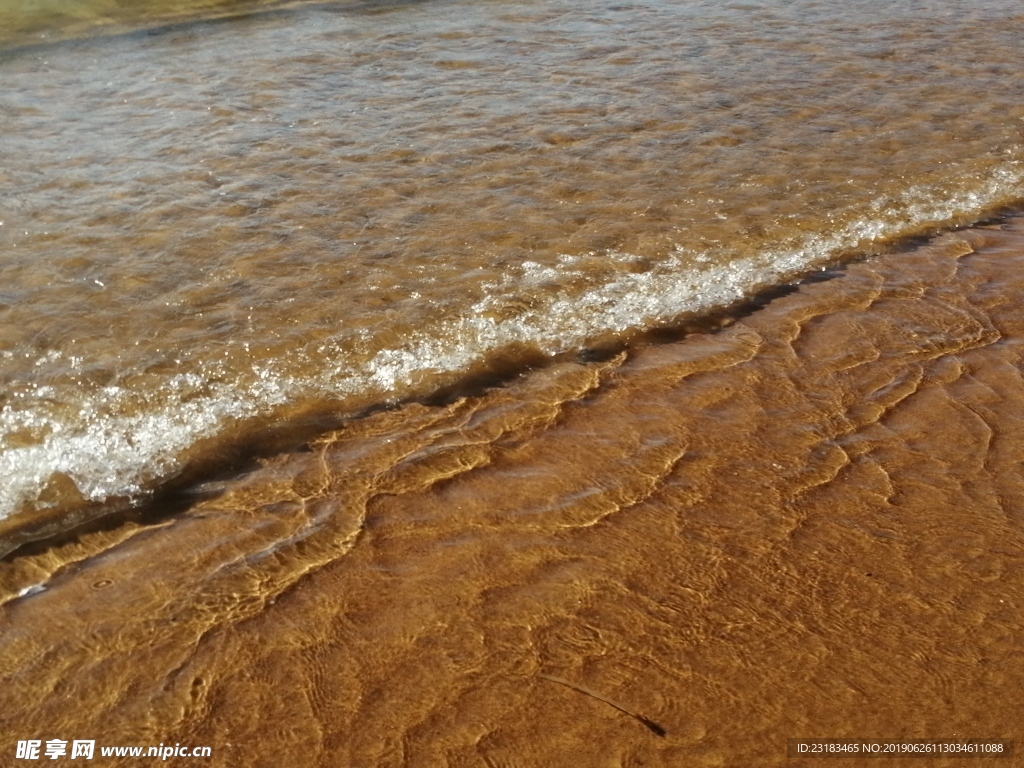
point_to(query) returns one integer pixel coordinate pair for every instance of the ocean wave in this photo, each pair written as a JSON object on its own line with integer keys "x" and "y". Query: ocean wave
{"x": 117, "y": 441}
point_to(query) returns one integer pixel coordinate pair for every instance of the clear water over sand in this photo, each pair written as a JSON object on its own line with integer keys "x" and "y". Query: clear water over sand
{"x": 800, "y": 517}
{"x": 807, "y": 524}
{"x": 223, "y": 228}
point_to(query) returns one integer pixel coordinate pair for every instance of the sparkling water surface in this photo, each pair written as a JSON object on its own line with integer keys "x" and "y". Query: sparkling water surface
{"x": 210, "y": 229}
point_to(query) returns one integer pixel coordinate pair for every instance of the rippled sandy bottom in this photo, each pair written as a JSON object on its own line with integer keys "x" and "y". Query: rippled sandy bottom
{"x": 805, "y": 524}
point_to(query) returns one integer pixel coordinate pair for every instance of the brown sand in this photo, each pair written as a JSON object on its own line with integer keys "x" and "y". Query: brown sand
{"x": 808, "y": 524}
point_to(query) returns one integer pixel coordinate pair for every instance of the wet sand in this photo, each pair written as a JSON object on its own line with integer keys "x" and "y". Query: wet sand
{"x": 805, "y": 524}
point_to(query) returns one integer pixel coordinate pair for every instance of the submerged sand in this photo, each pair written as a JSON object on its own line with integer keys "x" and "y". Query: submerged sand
{"x": 805, "y": 524}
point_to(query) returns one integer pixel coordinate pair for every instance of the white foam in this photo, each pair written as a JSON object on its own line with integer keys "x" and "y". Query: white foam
{"x": 108, "y": 453}
{"x": 121, "y": 442}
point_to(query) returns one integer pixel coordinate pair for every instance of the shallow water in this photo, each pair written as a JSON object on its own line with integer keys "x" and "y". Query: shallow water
{"x": 804, "y": 525}
{"x": 797, "y": 518}
{"x": 26, "y": 23}
{"x": 227, "y": 228}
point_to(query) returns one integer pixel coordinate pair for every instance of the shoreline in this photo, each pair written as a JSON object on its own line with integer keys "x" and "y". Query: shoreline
{"x": 804, "y": 524}
{"x": 32, "y": 532}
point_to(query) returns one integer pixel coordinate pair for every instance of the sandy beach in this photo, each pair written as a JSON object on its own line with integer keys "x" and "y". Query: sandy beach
{"x": 804, "y": 524}
{"x": 527, "y": 383}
